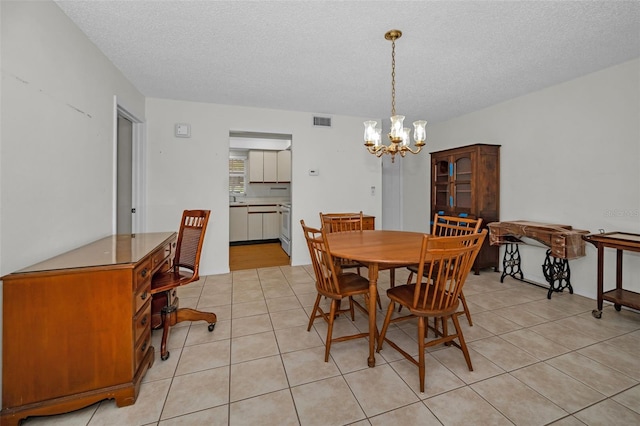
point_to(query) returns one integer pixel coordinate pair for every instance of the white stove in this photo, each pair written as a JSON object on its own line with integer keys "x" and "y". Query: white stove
{"x": 285, "y": 227}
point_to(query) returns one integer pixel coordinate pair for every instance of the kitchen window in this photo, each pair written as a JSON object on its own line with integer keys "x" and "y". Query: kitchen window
{"x": 237, "y": 173}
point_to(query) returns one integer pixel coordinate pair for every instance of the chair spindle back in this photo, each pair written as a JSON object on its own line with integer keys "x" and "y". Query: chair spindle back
{"x": 451, "y": 226}
{"x": 322, "y": 261}
{"x": 341, "y": 222}
{"x": 447, "y": 261}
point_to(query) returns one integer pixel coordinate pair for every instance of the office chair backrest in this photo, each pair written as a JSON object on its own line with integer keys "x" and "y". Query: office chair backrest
{"x": 191, "y": 239}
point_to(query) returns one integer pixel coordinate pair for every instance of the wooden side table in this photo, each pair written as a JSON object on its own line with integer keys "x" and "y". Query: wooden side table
{"x": 620, "y": 241}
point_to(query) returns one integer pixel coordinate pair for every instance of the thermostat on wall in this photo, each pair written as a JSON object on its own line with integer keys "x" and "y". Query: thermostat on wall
{"x": 183, "y": 130}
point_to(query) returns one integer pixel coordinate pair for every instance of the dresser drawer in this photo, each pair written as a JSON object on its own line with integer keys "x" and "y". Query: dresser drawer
{"x": 160, "y": 256}
{"x": 142, "y": 296}
{"x": 141, "y": 349}
{"x": 142, "y": 321}
{"x": 142, "y": 274}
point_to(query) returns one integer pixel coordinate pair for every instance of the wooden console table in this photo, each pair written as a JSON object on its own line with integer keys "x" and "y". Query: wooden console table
{"x": 563, "y": 241}
{"x": 76, "y": 327}
{"x": 620, "y": 241}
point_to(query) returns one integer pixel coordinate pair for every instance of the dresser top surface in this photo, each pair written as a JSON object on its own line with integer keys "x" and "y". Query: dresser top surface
{"x": 109, "y": 251}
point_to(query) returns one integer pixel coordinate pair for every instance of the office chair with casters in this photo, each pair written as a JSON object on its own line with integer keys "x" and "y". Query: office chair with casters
{"x": 445, "y": 263}
{"x": 183, "y": 271}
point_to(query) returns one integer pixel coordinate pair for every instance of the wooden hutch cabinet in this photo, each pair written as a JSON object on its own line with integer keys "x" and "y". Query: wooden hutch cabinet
{"x": 466, "y": 180}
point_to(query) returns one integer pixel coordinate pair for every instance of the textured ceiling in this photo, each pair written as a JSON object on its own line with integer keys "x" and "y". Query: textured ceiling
{"x": 330, "y": 57}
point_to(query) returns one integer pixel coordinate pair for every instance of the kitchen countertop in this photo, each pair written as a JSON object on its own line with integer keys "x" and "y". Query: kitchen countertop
{"x": 259, "y": 202}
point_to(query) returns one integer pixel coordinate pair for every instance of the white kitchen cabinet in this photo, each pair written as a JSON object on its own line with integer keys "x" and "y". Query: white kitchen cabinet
{"x": 238, "y": 223}
{"x": 254, "y": 226}
{"x": 256, "y": 166}
{"x": 263, "y": 222}
{"x": 284, "y": 166}
{"x": 271, "y": 225}
{"x": 269, "y": 166}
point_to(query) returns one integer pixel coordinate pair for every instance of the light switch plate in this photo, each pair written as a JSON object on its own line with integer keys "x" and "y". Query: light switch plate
{"x": 183, "y": 130}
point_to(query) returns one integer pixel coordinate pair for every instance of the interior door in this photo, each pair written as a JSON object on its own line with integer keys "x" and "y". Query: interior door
{"x": 125, "y": 176}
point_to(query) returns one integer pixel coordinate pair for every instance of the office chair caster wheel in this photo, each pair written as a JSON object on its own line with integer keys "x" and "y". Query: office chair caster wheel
{"x": 617, "y": 307}
{"x": 163, "y": 357}
{"x": 596, "y": 313}
{"x": 212, "y": 326}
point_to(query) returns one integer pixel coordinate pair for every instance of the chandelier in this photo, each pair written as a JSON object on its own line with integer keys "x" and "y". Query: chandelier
{"x": 399, "y": 136}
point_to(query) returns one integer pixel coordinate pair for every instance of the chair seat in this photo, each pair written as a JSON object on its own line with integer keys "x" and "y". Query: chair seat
{"x": 350, "y": 284}
{"x": 164, "y": 281}
{"x": 404, "y": 295}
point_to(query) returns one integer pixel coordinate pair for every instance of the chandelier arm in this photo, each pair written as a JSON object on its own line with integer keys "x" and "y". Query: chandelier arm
{"x": 377, "y": 150}
{"x": 408, "y": 148}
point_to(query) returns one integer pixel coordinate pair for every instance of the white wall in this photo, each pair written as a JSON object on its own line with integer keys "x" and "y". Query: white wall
{"x": 570, "y": 155}
{"x": 57, "y": 134}
{"x": 56, "y": 146}
{"x": 193, "y": 173}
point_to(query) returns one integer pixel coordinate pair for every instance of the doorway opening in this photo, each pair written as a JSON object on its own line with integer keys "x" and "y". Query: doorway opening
{"x": 259, "y": 199}
{"x": 129, "y": 196}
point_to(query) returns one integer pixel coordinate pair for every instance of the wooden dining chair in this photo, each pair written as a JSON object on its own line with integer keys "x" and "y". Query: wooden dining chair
{"x": 445, "y": 263}
{"x": 346, "y": 222}
{"x": 342, "y": 222}
{"x": 332, "y": 285}
{"x": 451, "y": 226}
{"x": 183, "y": 271}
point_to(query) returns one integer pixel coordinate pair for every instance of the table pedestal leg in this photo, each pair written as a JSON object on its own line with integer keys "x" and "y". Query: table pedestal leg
{"x": 373, "y": 291}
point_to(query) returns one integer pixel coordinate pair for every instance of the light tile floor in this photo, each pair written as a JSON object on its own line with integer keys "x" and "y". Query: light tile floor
{"x": 536, "y": 361}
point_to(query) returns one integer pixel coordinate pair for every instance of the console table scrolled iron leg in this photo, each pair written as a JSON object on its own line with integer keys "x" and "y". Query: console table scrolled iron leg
{"x": 511, "y": 262}
{"x": 556, "y": 271}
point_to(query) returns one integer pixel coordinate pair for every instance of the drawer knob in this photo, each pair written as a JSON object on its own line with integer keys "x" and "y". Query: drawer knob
{"x": 144, "y": 347}
{"x": 144, "y": 272}
{"x": 143, "y": 296}
{"x": 144, "y": 320}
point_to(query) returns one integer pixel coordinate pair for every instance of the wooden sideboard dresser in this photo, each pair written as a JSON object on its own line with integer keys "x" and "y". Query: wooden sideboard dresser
{"x": 368, "y": 222}
{"x": 76, "y": 327}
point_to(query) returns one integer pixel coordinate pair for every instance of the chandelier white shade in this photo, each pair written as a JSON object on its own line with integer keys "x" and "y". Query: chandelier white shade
{"x": 399, "y": 136}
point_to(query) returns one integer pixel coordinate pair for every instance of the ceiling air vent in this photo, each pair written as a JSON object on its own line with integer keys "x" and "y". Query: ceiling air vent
{"x": 322, "y": 121}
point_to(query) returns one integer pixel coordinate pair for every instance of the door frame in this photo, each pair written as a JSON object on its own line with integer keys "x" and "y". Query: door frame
{"x": 138, "y": 157}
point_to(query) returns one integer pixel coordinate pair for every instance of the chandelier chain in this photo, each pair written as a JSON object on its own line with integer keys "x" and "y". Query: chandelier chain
{"x": 393, "y": 77}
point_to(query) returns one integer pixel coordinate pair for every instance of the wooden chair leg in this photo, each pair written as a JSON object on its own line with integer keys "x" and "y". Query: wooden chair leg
{"x": 188, "y": 314}
{"x": 466, "y": 308}
{"x": 313, "y": 316}
{"x": 332, "y": 315}
{"x": 410, "y": 278}
{"x": 463, "y": 344}
{"x": 421, "y": 361}
{"x": 385, "y": 325}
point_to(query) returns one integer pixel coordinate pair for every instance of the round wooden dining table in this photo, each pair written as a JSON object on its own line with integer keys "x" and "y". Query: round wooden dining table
{"x": 378, "y": 250}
